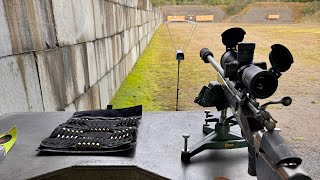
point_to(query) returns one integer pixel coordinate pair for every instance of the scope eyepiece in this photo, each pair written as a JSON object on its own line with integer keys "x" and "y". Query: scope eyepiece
{"x": 260, "y": 83}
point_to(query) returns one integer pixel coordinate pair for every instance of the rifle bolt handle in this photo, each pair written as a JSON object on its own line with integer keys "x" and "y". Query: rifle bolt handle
{"x": 270, "y": 125}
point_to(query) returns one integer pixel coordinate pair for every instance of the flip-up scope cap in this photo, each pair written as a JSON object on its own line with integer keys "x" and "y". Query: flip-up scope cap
{"x": 280, "y": 57}
{"x": 232, "y": 36}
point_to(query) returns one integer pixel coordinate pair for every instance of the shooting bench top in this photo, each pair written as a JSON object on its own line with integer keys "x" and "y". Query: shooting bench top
{"x": 156, "y": 156}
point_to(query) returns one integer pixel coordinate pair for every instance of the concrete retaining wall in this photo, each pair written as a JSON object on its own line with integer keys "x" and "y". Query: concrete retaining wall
{"x": 69, "y": 54}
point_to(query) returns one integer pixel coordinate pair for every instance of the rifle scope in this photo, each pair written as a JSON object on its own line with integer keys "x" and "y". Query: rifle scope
{"x": 237, "y": 64}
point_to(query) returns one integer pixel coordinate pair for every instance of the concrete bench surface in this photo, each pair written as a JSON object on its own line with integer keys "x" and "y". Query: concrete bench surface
{"x": 158, "y": 150}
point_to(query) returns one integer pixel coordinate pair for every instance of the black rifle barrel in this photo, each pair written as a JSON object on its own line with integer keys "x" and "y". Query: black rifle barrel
{"x": 215, "y": 65}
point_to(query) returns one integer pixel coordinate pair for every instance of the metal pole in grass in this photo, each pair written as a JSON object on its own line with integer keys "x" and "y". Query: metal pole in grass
{"x": 179, "y": 52}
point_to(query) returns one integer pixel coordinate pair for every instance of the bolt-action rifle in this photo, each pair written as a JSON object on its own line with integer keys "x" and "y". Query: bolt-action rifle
{"x": 240, "y": 83}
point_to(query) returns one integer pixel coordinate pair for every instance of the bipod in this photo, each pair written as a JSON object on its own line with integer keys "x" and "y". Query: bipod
{"x": 219, "y": 137}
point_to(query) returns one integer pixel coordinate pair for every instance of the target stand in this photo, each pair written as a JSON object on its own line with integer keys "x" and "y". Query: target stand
{"x": 180, "y": 52}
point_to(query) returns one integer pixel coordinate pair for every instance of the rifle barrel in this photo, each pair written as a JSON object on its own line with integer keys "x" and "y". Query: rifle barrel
{"x": 215, "y": 65}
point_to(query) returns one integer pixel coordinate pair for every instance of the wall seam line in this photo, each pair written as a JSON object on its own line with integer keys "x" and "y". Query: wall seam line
{"x": 39, "y": 81}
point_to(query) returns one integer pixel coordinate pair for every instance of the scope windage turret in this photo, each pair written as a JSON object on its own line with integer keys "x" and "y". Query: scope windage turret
{"x": 238, "y": 64}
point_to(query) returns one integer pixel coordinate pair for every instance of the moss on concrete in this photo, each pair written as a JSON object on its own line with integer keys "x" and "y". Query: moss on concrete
{"x": 141, "y": 86}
